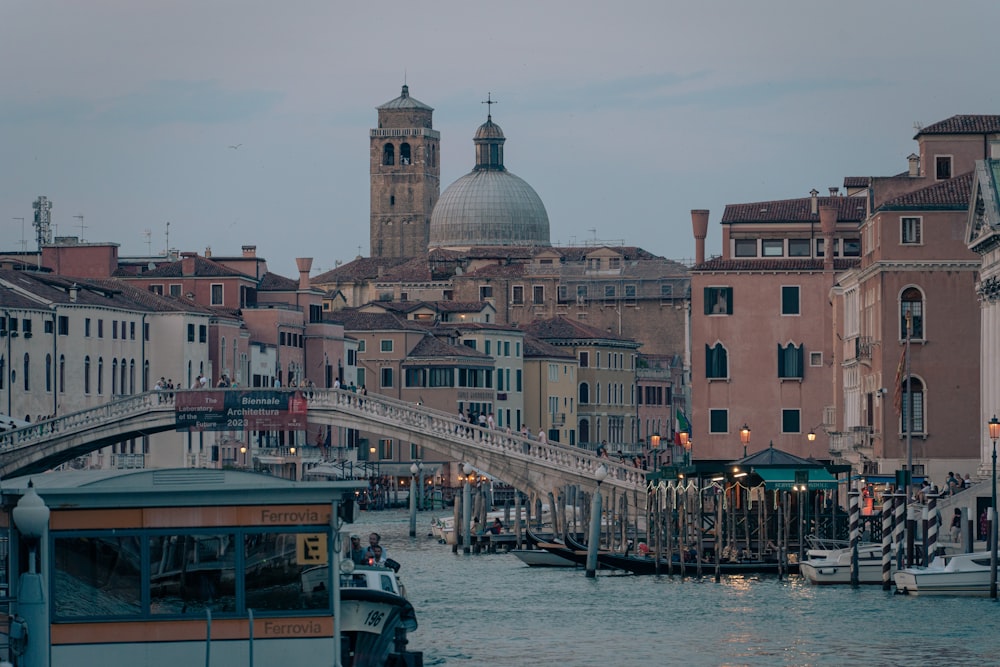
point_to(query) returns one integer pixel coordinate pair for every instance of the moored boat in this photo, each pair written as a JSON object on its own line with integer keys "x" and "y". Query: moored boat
{"x": 966, "y": 574}
{"x": 834, "y": 566}
{"x": 541, "y": 558}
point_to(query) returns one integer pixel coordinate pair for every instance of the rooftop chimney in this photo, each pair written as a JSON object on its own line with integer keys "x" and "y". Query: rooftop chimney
{"x": 914, "y": 161}
{"x": 814, "y": 203}
{"x": 74, "y": 290}
{"x": 828, "y": 224}
{"x": 208, "y": 251}
{"x": 305, "y": 265}
{"x": 699, "y": 224}
{"x": 834, "y": 191}
{"x": 249, "y": 251}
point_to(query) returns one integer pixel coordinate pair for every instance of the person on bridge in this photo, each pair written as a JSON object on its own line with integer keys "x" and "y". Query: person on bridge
{"x": 489, "y": 421}
{"x": 541, "y": 436}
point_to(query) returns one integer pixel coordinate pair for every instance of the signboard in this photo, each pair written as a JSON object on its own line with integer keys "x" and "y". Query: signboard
{"x": 229, "y": 410}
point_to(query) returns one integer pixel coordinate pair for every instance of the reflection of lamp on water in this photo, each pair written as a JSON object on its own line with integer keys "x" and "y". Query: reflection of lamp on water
{"x": 595, "y": 522}
{"x": 243, "y": 451}
{"x": 414, "y": 469}
{"x": 467, "y": 508}
{"x": 801, "y": 486}
{"x": 31, "y": 517}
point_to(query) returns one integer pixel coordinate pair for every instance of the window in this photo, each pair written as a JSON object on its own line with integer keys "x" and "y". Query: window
{"x": 86, "y": 374}
{"x": 386, "y": 377}
{"x": 202, "y": 333}
{"x": 630, "y": 295}
{"x": 62, "y": 373}
{"x": 909, "y": 231}
{"x": 216, "y": 294}
{"x": 156, "y": 289}
{"x": 361, "y": 345}
{"x": 114, "y": 329}
{"x": 790, "y": 361}
{"x": 666, "y": 292}
{"x": 911, "y": 303}
{"x": 86, "y": 327}
{"x": 789, "y": 300}
{"x": 100, "y": 375}
{"x": 799, "y": 247}
{"x": 404, "y": 153}
{"x": 942, "y": 167}
{"x": 553, "y": 372}
{"x": 581, "y": 294}
{"x": 48, "y": 372}
{"x": 746, "y": 248}
{"x": 392, "y": 200}
{"x": 27, "y": 372}
{"x": 609, "y": 292}
{"x": 517, "y": 378}
{"x": 131, "y": 331}
{"x": 852, "y": 247}
{"x": 517, "y": 295}
{"x": 773, "y": 247}
{"x": 100, "y": 328}
{"x": 485, "y": 292}
{"x": 561, "y": 293}
{"x": 815, "y": 358}
{"x": 486, "y": 347}
{"x": 388, "y": 155}
{"x": 718, "y": 421}
{"x": 537, "y": 294}
{"x": 385, "y": 345}
{"x": 917, "y": 396}
{"x": 716, "y": 362}
{"x": 190, "y": 333}
{"x": 584, "y": 359}
{"x": 791, "y": 421}
{"x": 63, "y": 324}
{"x": 718, "y": 300}
{"x": 175, "y": 290}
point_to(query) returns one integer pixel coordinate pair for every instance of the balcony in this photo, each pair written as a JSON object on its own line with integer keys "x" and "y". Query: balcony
{"x": 858, "y": 349}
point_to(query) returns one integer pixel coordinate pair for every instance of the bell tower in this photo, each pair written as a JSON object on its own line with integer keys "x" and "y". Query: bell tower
{"x": 405, "y": 177}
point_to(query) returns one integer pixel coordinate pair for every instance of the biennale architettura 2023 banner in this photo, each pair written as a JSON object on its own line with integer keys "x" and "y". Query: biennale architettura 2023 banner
{"x": 229, "y": 410}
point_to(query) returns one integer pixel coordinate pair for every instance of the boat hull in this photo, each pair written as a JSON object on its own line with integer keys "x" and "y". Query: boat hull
{"x": 541, "y": 558}
{"x": 835, "y": 567}
{"x": 965, "y": 575}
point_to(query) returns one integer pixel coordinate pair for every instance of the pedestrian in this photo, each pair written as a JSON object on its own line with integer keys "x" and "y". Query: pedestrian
{"x": 489, "y": 422}
{"x": 541, "y": 436}
{"x": 956, "y": 525}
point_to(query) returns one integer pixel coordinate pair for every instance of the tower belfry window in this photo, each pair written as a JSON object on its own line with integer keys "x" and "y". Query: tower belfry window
{"x": 404, "y": 153}
{"x": 388, "y": 154}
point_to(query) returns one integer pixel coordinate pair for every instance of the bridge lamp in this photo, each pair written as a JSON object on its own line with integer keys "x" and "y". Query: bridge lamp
{"x": 292, "y": 450}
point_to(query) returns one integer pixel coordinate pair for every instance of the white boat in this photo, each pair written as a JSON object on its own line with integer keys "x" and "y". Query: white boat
{"x": 958, "y": 574}
{"x": 833, "y": 566}
{"x": 373, "y": 605}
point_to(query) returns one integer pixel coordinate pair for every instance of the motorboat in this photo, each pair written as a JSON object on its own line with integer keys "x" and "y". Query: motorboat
{"x": 959, "y": 574}
{"x": 373, "y": 605}
{"x": 833, "y": 566}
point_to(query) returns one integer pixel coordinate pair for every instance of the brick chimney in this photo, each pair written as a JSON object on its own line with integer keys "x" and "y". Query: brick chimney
{"x": 914, "y": 161}
{"x": 699, "y": 224}
{"x": 828, "y": 225}
{"x": 813, "y": 201}
{"x": 305, "y": 265}
{"x": 187, "y": 263}
{"x": 249, "y": 251}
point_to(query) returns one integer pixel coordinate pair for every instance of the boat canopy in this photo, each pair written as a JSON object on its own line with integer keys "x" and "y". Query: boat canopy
{"x": 783, "y": 479}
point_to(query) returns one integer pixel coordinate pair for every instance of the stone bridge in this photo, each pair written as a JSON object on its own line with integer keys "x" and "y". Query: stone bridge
{"x": 526, "y": 464}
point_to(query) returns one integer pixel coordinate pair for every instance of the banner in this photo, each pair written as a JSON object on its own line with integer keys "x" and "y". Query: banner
{"x": 229, "y": 410}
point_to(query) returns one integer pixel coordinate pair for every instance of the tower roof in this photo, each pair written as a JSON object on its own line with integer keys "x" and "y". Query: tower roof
{"x": 404, "y": 101}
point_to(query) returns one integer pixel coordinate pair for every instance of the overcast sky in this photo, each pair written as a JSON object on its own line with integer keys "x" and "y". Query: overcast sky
{"x": 623, "y": 116}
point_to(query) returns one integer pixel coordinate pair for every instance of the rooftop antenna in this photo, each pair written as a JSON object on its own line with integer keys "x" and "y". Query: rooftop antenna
{"x": 593, "y": 230}
{"x": 43, "y": 221}
{"x": 489, "y": 102}
{"x": 167, "y": 250}
{"x": 24, "y": 242}
{"x": 917, "y": 125}
{"x": 82, "y": 226}
{"x": 148, "y": 233}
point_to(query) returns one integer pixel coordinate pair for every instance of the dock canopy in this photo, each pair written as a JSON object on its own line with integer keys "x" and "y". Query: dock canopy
{"x": 783, "y": 479}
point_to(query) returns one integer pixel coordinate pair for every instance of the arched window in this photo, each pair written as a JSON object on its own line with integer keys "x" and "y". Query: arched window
{"x": 145, "y": 376}
{"x": 86, "y": 374}
{"x": 27, "y": 372}
{"x": 124, "y": 376}
{"x": 911, "y": 301}
{"x": 62, "y": 373}
{"x": 114, "y": 377}
{"x": 131, "y": 376}
{"x": 918, "y": 396}
{"x": 716, "y": 361}
{"x": 190, "y": 378}
{"x": 3, "y": 372}
{"x": 388, "y": 154}
{"x": 790, "y": 361}
{"x": 584, "y": 428}
{"x": 100, "y": 375}
{"x": 584, "y": 394}
{"x": 48, "y": 373}
{"x": 404, "y": 153}
{"x": 222, "y": 353}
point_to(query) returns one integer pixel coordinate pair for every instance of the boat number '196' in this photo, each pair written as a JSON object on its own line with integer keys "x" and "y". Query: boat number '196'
{"x": 375, "y": 618}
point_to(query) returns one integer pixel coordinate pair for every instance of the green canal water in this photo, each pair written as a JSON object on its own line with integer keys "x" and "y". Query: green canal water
{"x": 490, "y": 609}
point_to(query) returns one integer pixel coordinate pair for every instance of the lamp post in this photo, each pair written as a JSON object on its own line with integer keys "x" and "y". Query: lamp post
{"x": 745, "y": 438}
{"x": 414, "y": 469}
{"x": 31, "y": 517}
{"x": 685, "y": 439}
{"x": 654, "y": 447}
{"x": 243, "y": 452}
{"x": 994, "y": 425}
{"x": 595, "y": 523}
{"x": 467, "y": 508}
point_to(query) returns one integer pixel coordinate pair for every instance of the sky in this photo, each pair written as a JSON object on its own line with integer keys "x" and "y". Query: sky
{"x": 623, "y": 116}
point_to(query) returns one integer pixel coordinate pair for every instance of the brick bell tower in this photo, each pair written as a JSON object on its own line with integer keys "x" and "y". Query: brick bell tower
{"x": 405, "y": 177}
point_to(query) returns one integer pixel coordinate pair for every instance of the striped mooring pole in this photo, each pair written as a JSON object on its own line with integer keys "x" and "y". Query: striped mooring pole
{"x": 886, "y": 542}
{"x": 855, "y": 508}
{"x": 933, "y": 528}
{"x": 898, "y": 528}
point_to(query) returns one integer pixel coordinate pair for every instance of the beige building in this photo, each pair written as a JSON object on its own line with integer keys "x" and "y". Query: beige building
{"x": 550, "y": 391}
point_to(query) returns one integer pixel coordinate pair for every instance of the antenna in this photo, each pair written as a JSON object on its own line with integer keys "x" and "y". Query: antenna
{"x": 43, "y": 221}
{"x": 24, "y": 242}
{"x": 593, "y": 230}
{"x": 148, "y": 233}
{"x": 917, "y": 125}
{"x": 167, "y": 250}
{"x": 82, "y": 226}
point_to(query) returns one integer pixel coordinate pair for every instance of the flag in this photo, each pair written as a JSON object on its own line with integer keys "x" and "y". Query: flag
{"x": 897, "y": 395}
{"x": 682, "y": 423}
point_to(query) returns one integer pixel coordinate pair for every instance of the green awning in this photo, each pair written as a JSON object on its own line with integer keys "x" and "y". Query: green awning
{"x": 783, "y": 479}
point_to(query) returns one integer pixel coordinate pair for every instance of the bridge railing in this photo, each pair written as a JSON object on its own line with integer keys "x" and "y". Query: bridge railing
{"x": 88, "y": 418}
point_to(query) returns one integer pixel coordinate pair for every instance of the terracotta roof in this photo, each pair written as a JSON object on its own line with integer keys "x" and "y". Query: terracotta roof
{"x": 459, "y": 306}
{"x": 151, "y": 301}
{"x": 536, "y": 347}
{"x": 355, "y": 320}
{"x": 963, "y": 124}
{"x": 849, "y": 209}
{"x": 857, "y": 181}
{"x": 432, "y": 346}
{"x": 272, "y": 282}
{"x": 203, "y": 268}
{"x": 498, "y": 271}
{"x": 361, "y": 268}
{"x": 952, "y": 194}
{"x": 775, "y": 264}
{"x": 564, "y": 328}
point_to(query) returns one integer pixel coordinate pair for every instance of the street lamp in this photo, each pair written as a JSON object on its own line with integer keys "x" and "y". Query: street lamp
{"x": 994, "y": 425}
{"x": 414, "y": 469}
{"x": 745, "y": 438}
{"x": 595, "y": 522}
{"x": 654, "y": 445}
{"x": 686, "y": 444}
{"x": 467, "y": 508}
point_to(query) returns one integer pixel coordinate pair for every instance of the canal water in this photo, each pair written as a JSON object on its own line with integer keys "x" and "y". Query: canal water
{"x": 490, "y": 609}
